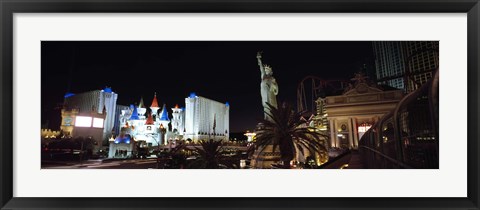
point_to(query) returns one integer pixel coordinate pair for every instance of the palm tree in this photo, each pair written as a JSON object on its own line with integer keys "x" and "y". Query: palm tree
{"x": 210, "y": 155}
{"x": 285, "y": 131}
{"x": 173, "y": 158}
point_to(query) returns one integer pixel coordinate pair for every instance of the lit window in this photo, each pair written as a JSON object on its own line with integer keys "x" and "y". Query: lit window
{"x": 97, "y": 122}
{"x": 83, "y": 121}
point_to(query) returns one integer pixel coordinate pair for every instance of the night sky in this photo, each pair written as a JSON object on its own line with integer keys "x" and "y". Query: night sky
{"x": 222, "y": 71}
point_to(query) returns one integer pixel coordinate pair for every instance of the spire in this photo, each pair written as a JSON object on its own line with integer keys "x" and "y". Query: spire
{"x": 154, "y": 102}
{"x": 149, "y": 119}
{"x": 164, "y": 114}
{"x": 134, "y": 114}
{"x": 141, "y": 104}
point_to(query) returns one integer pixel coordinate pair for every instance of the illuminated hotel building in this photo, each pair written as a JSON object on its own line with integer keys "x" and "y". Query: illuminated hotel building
{"x": 407, "y": 64}
{"x": 93, "y": 101}
{"x": 206, "y": 119}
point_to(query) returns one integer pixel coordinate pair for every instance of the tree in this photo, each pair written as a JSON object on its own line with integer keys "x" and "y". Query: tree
{"x": 286, "y": 132}
{"x": 177, "y": 156}
{"x": 209, "y": 155}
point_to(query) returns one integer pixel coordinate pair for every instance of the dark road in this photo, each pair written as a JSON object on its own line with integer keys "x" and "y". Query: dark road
{"x": 105, "y": 164}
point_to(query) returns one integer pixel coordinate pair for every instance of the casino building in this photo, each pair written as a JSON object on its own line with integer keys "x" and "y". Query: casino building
{"x": 202, "y": 119}
{"x": 351, "y": 114}
{"x": 206, "y": 119}
{"x": 89, "y": 115}
{"x": 95, "y": 114}
{"x": 85, "y": 104}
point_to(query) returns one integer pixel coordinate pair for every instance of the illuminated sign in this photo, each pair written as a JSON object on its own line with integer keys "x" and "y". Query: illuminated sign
{"x": 364, "y": 128}
{"x": 83, "y": 121}
{"x": 97, "y": 122}
{"x": 68, "y": 121}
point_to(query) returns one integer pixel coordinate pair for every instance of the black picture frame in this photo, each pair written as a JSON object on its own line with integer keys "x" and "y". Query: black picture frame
{"x": 9, "y": 7}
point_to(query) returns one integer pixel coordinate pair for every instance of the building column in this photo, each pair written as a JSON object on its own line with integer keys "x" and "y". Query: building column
{"x": 355, "y": 133}
{"x": 350, "y": 133}
{"x": 332, "y": 133}
{"x": 337, "y": 140}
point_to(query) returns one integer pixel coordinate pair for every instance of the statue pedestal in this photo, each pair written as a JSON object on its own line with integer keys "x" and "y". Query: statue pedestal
{"x": 266, "y": 157}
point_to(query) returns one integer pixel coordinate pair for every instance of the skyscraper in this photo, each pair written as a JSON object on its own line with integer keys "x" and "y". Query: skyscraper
{"x": 389, "y": 63}
{"x": 405, "y": 64}
{"x": 422, "y": 61}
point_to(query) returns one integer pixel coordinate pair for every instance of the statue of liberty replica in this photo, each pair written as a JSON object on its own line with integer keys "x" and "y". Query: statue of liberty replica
{"x": 268, "y": 87}
{"x": 265, "y": 157}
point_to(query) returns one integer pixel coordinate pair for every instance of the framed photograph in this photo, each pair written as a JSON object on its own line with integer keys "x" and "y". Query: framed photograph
{"x": 239, "y": 105}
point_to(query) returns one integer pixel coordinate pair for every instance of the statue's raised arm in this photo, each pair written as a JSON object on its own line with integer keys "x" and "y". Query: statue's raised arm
{"x": 260, "y": 64}
{"x": 268, "y": 87}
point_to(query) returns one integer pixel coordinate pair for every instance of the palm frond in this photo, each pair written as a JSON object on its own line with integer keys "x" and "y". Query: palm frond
{"x": 284, "y": 131}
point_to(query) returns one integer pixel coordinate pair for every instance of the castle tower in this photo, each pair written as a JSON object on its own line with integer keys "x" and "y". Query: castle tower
{"x": 163, "y": 117}
{"x": 164, "y": 120}
{"x": 178, "y": 120}
{"x": 154, "y": 105}
{"x": 141, "y": 109}
{"x": 134, "y": 113}
{"x": 149, "y": 120}
{"x": 149, "y": 128}
{"x": 135, "y": 121}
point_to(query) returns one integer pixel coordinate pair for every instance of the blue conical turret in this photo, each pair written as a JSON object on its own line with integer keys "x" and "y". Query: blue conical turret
{"x": 134, "y": 114}
{"x": 164, "y": 114}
